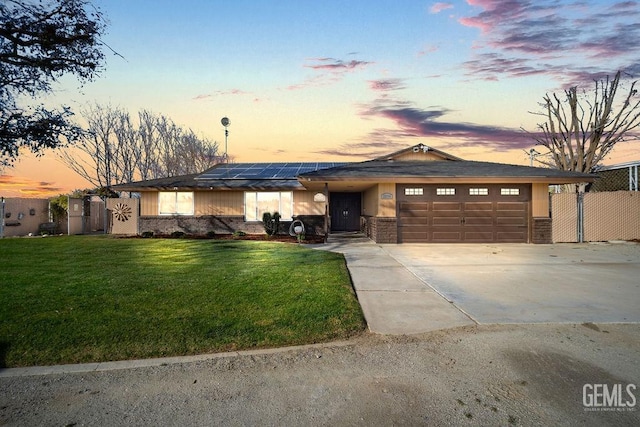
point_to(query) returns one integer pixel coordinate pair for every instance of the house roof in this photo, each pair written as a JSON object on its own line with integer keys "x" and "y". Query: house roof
{"x": 437, "y": 170}
{"x": 390, "y": 168}
{"x": 172, "y": 182}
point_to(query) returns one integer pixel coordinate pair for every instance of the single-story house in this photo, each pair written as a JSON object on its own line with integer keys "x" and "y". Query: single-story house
{"x": 418, "y": 194}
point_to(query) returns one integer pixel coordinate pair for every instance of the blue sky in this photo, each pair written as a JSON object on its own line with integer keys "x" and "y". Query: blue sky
{"x": 347, "y": 81}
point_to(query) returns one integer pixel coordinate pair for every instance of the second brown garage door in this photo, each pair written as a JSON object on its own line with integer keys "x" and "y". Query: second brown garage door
{"x": 463, "y": 213}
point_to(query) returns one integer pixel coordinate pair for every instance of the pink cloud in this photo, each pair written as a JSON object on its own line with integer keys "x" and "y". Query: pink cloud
{"x": 220, "y": 93}
{"x": 386, "y": 84}
{"x": 523, "y": 37}
{"x": 428, "y": 49}
{"x": 315, "y": 81}
{"x": 476, "y": 23}
{"x": 330, "y": 70}
{"x": 414, "y": 122}
{"x": 337, "y": 64}
{"x": 439, "y": 7}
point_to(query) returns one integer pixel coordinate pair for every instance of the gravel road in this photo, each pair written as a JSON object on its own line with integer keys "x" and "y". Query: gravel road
{"x": 485, "y": 375}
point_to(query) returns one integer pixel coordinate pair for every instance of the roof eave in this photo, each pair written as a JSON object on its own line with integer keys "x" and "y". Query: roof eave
{"x": 455, "y": 179}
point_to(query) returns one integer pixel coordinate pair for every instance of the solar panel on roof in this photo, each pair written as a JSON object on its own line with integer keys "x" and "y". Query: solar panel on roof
{"x": 264, "y": 170}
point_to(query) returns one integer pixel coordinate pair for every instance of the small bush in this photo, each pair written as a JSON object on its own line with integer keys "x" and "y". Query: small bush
{"x": 271, "y": 223}
{"x": 147, "y": 234}
{"x": 211, "y": 234}
{"x": 239, "y": 233}
{"x": 177, "y": 234}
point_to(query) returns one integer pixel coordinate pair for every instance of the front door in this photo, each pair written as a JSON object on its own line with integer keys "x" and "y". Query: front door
{"x": 344, "y": 209}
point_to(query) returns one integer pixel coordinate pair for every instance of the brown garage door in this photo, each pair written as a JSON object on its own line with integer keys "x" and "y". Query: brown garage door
{"x": 463, "y": 213}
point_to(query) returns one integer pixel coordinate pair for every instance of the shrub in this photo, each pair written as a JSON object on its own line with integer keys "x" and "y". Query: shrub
{"x": 147, "y": 234}
{"x": 271, "y": 223}
{"x": 177, "y": 234}
{"x": 211, "y": 234}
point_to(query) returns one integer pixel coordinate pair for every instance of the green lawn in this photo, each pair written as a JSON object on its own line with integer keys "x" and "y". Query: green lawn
{"x": 86, "y": 299}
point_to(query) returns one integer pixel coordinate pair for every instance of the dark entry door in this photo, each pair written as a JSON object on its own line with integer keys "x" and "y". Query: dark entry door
{"x": 344, "y": 209}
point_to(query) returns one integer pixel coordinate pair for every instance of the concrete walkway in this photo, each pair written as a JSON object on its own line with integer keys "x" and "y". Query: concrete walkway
{"x": 394, "y": 300}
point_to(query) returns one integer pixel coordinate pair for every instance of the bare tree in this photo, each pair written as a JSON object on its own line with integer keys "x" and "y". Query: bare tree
{"x": 114, "y": 150}
{"x": 580, "y": 132}
{"x": 98, "y": 147}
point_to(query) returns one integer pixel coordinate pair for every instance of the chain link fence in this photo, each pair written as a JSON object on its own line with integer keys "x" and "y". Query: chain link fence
{"x": 607, "y": 216}
{"x": 619, "y": 179}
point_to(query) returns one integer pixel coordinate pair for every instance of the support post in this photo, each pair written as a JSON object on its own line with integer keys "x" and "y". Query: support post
{"x": 326, "y": 212}
{"x": 1, "y": 217}
{"x": 581, "y": 187}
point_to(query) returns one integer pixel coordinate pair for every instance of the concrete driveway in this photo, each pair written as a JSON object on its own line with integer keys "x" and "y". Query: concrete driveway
{"x": 519, "y": 283}
{"x": 413, "y": 288}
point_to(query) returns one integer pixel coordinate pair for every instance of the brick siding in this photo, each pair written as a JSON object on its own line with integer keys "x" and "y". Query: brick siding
{"x": 381, "y": 230}
{"x": 201, "y": 225}
{"x": 541, "y": 232}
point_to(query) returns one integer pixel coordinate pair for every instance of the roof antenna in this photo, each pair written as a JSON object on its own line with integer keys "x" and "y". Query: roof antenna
{"x": 225, "y": 122}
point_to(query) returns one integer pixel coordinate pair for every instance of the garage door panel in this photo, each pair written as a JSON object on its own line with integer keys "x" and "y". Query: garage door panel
{"x": 447, "y": 206}
{"x": 411, "y": 207}
{"x": 480, "y": 220}
{"x": 507, "y": 221}
{"x": 478, "y": 206}
{"x": 504, "y": 213}
{"x": 511, "y": 206}
{"x": 446, "y": 221}
{"x": 405, "y": 220}
{"x": 415, "y": 232}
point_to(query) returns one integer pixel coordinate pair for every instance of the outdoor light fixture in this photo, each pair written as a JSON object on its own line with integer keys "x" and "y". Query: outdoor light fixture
{"x": 225, "y": 122}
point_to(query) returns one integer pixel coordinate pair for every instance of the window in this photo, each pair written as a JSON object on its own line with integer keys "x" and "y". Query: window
{"x": 257, "y": 203}
{"x": 418, "y": 191}
{"x": 509, "y": 191}
{"x": 445, "y": 191}
{"x": 478, "y": 191}
{"x": 175, "y": 203}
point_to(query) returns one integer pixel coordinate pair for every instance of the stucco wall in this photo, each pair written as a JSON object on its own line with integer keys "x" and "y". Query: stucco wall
{"x": 540, "y": 200}
{"x": 24, "y": 216}
{"x": 370, "y": 201}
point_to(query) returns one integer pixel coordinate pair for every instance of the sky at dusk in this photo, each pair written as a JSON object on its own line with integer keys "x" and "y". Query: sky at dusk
{"x": 304, "y": 80}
